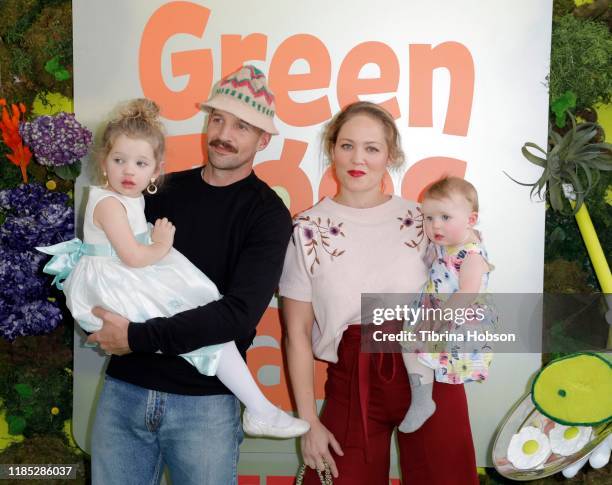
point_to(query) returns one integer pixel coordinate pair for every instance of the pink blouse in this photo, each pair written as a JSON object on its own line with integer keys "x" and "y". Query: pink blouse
{"x": 338, "y": 252}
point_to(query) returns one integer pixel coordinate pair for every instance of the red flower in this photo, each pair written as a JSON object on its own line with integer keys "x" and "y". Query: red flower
{"x": 9, "y": 126}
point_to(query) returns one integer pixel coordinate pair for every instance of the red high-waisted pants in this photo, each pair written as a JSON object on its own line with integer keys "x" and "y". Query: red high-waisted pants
{"x": 367, "y": 396}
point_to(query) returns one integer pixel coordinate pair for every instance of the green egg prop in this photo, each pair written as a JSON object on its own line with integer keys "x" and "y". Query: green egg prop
{"x": 575, "y": 390}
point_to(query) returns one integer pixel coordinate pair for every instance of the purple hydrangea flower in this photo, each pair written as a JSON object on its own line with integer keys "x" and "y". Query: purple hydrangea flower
{"x": 19, "y": 275}
{"x": 33, "y": 217}
{"x": 34, "y": 318}
{"x": 28, "y": 199}
{"x": 56, "y": 140}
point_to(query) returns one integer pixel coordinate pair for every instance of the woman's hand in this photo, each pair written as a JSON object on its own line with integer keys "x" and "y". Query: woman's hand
{"x": 315, "y": 448}
{"x": 163, "y": 233}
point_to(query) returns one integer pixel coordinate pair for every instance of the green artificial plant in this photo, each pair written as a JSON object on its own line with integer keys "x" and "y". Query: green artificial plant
{"x": 575, "y": 158}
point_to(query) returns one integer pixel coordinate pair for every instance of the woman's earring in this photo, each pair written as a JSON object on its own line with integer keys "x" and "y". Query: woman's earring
{"x": 105, "y": 179}
{"x": 152, "y": 188}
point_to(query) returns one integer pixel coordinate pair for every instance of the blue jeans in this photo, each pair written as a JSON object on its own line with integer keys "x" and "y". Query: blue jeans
{"x": 137, "y": 431}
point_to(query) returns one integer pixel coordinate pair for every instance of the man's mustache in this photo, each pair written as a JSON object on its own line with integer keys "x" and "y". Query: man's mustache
{"x": 223, "y": 144}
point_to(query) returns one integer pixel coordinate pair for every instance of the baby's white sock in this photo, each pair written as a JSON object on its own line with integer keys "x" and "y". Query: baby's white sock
{"x": 234, "y": 373}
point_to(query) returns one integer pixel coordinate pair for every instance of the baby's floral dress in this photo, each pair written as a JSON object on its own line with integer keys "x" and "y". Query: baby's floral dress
{"x": 461, "y": 358}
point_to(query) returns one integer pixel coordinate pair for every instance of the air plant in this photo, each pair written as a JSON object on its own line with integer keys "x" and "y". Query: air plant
{"x": 574, "y": 158}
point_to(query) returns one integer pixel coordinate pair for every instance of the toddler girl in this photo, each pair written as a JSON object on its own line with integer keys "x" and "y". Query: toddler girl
{"x": 123, "y": 268}
{"x": 459, "y": 273}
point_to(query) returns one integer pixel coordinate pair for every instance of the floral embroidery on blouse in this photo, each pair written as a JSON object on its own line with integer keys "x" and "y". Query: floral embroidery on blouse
{"x": 410, "y": 220}
{"x": 318, "y": 238}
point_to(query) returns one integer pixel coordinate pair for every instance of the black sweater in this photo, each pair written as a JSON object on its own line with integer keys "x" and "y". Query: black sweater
{"x": 237, "y": 235}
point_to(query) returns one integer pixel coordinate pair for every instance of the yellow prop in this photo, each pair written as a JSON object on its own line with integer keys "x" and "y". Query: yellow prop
{"x": 591, "y": 241}
{"x": 575, "y": 390}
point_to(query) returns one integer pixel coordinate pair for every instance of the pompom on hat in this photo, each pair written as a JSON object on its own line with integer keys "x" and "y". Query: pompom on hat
{"x": 245, "y": 94}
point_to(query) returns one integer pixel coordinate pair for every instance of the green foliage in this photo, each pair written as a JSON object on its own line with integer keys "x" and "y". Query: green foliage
{"x": 581, "y": 55}
{"x": 35, "y": 378}
{"x": 35, "y": 372}
{"x": 53, "y": 66}
{"x": 564, "y": 242}
{"x": 16, "y": 424}
{"x": 572, "y": 159}
{"x": 33, "y": 32}
{"x": 562, "y": 8}
{"x": 68, "y": 172}
{"x": 561, "y": 106}
{"x": 10, "y": 175}
{"x": 562, "y": 276}
{"x": 31, "y": 414}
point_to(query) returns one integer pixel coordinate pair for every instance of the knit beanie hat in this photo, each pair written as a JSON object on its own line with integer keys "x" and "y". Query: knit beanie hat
{"x": 245, "y": 94}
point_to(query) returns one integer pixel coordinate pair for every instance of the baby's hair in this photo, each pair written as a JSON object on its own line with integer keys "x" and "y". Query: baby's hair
{"x": 374, "y": 111}
{"x": 447, "y": 186}
{"x": 136, "y": 119}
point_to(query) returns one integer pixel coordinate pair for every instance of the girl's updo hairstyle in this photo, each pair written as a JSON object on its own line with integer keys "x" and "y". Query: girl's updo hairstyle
{"x": 374, "y": 111}
{"x": 137, "y": 119}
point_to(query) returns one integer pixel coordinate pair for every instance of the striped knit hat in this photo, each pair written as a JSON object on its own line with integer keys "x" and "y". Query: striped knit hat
{"x": 245, "y": 94}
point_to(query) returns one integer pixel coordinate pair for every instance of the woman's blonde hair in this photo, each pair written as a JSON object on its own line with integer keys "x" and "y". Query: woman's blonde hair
{"x": 374, "y": 111}
{"x": 136, "y": 119}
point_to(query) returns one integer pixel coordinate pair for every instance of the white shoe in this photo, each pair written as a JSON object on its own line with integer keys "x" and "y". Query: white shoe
{"x": 255, "y": 426}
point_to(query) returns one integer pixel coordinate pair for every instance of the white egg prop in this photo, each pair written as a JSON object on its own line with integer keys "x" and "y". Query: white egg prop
{"x": 567, "y": 440}
{"x": 528, "y": 448}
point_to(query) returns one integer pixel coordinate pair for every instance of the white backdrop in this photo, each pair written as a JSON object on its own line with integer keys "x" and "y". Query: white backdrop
{"x": 509, "y": 44}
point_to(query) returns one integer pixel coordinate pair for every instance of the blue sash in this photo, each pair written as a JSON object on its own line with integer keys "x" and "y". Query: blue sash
{"x": 66, "y": 255}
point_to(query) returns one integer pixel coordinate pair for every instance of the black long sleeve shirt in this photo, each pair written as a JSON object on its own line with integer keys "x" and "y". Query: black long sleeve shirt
{"x": 237, "y": 235}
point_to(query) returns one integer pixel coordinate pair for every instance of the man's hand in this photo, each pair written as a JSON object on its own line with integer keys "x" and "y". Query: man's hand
{"x": 113, "y": 336}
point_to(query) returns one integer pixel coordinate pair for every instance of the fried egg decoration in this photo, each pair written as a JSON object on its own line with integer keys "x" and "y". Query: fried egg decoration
{"x": 528, "y": 448}
{"x": 567, "y": 440}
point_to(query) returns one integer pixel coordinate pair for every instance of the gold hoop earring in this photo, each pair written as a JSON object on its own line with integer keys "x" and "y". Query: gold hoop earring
{"x": 152, "y": 188}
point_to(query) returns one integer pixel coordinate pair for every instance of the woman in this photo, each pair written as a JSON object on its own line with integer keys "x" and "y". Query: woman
{"x": 363, "y": 241}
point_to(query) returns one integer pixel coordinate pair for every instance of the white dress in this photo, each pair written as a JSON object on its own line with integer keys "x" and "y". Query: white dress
{"x": 169, "y": 286}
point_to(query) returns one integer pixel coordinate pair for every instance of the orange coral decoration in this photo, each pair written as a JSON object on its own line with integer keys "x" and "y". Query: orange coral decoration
{"x": 9, "y": 126}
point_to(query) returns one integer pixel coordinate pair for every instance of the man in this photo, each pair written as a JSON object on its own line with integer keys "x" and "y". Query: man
{"x": 156, "y": 408}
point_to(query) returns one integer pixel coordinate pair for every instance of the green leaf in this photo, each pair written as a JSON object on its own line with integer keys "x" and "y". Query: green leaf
{"x": 53, "y": 66}
{"x": 62, "y": 75}
{"x": 24, "y": 390}
{"x": 516, "y": 181}
{"x": 28, "y": 411}
{"x": 533, "y": 145}
{"x": 600, "y": 164}
{"x": 589, "y": 177}
{"x": 539, "y": 161}
{"x": 556, "y": 137}
{"x": 578, "y": 189}
{"x": 556, "y": 197}
{"x": 558, "y": 234}
{"x": 68, "y": 172}
{"x": 561, "y": 105}
{"x": 16, "y": 425}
